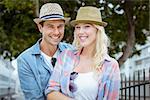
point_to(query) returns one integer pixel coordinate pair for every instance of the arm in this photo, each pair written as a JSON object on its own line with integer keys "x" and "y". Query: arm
{"x": 57, "y": 96}
{"x": 28, "y": 82}
{"x": 114, "y": 87}
{"x": 109, "y": 84}
{"x": 54, "y": 86}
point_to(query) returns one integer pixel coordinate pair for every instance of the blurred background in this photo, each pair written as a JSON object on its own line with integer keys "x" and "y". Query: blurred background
{"x": 128, "y": 28}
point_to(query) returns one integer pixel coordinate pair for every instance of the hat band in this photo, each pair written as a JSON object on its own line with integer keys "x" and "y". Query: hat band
{"x": 52, "y": 16}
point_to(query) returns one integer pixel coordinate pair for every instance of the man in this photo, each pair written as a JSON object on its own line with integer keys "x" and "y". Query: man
{"x": 34, "y": 64}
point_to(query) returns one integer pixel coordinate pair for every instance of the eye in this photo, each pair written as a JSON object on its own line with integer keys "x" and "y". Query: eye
{"x": 49, "y": 26}
{"x": 61, "y": 26}
{"x": 87, "y": 26}
{"x": 77, "y": 27}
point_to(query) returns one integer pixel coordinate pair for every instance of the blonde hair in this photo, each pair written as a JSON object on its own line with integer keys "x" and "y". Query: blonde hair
{"x": 101, "y": 49}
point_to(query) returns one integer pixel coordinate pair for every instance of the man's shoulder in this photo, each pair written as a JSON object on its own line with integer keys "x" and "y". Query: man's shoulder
{"x": 27, "y": 52}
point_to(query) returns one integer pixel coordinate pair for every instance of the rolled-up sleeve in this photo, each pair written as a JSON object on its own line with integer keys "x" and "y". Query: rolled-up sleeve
{"x": 114, "y": 87}
{"x": 109, "y": 89}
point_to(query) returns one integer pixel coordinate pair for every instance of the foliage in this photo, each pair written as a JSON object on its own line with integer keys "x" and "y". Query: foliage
{"x": 17, "y": 27}
{"x": 117, "y": 29}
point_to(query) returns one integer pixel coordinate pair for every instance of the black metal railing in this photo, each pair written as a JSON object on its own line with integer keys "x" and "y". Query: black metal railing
{"x": 135, "y": 86}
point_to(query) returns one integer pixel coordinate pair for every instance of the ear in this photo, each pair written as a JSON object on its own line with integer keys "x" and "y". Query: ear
{"x": 40, "y": 27}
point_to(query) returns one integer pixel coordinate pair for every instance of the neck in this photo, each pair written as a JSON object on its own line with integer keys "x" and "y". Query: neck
{"x": 88, "y": 52}
{"x": 48, "y": 49}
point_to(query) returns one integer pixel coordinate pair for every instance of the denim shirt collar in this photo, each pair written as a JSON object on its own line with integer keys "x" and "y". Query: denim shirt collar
{"x": 36, "y": 48}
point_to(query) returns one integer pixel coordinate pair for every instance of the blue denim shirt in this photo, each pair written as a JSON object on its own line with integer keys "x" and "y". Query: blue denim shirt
{"x": 33, "y": 72}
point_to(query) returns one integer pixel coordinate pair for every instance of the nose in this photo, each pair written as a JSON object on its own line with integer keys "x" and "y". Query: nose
{"x": 56, "y": 31}
{"x": 81, "y": 30}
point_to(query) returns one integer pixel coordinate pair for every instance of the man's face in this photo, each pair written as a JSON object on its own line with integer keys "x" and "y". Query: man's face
{"x": 52, "y": 31}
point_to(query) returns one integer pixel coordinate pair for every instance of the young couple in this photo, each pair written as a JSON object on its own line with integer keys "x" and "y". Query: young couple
{"x": 83, "y": 71}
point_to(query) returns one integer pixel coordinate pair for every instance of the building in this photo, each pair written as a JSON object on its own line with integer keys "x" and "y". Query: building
{"x": 138, "y": 62}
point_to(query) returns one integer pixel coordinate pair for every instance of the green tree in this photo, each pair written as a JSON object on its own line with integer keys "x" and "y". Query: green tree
{"x": 17, "y": 28}
{"x": 128, "y": 19}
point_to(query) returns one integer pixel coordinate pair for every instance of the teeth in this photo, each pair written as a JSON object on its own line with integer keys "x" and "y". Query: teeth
{"x": 55, "y": 37}
{"x": 83, "y": 37}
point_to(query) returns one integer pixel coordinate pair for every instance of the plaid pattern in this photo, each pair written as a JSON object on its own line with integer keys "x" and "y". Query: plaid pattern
{"x": 109, "y": 80}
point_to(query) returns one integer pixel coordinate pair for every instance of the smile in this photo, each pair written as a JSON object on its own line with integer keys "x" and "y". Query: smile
{"x": 83, "y": 38}
{"x": 55, "y": 37}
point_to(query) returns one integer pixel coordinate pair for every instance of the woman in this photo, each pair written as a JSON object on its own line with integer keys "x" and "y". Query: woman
{"x": 87, "y": 73}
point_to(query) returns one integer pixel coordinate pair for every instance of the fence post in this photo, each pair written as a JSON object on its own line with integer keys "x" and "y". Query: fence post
{"x": 125, "y": 87}
{"x": 138, "y": 85}
{"x": 149, "y": 79}
{"x": 143, "y": 82}
{"x": 122, "y": 86}
{"x": 134, "y": 86}
{"x": 129, "y": 88}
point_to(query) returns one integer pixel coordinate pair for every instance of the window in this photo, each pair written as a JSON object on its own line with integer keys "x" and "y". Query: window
{"x": 139, "y": 62}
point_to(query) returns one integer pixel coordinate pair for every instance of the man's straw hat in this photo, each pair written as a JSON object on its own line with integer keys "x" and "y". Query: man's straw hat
{"x": 50, "y": 11}
{"x": 88, "y": 14}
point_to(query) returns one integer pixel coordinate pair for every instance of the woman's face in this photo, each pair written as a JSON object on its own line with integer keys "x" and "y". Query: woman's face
{"x": 86, "y": 34}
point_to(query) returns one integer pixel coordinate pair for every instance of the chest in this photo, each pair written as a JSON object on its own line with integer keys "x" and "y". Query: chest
{"x": 86, "y": 84}
{"x": 84, "y": 65}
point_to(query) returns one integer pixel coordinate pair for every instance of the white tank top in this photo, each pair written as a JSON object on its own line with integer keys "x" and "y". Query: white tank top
{"x": 87, "y": 87}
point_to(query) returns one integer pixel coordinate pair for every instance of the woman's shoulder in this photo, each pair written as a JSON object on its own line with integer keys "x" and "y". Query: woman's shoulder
{"x": 110, "y": 61}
